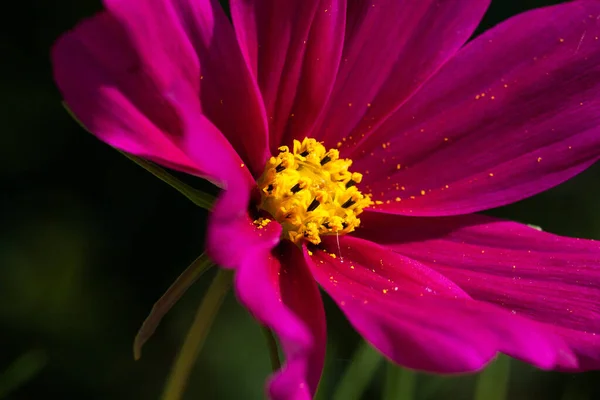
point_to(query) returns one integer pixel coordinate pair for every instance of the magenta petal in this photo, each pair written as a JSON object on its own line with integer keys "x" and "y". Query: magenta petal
{"x": 294, "y": 48}
{"x": 165, "y": 32}
{"x": 231, "y": 232}
{"x": 419, "y": 318}
{"x": 391, "y": 48}
{"x": 516, "y": 112}
{"x": 544, "y": 277}
{"x": 422, "y": 320}
{"x": 300, "y": 293}
{"x": 278, "y": 290}
{"x": 121, "y": 72}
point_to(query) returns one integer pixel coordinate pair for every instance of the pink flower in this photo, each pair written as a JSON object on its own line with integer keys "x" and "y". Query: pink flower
{"x": 439, "y": 129}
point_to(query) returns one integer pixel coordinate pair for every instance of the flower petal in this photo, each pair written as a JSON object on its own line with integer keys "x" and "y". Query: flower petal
{"x": 391, "y": 48}
{"x": 300, "y": 293}
{"x": 422, "y": 320}
{"x": 276, "y": 287}
{"x": 294, "y": 48}
{"x": 120, "y": 70}
{"x": 548, "y": 278}
{"x": 516, "y": 112}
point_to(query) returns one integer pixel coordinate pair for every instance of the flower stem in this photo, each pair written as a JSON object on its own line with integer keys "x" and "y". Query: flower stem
{"x": 492, "y": 382}
{"x": 171, "y": 296}
{"x": 21, "y": 371}
{"x": 399, "y": 383}
{"x": 359, "y": 373}
{"x": 197, "y": 334}
{"x": 273, "y": 349}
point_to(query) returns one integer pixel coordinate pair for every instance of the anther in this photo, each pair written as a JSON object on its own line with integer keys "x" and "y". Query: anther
{"x": 350, "y": 183}
{"x": 325, "y": 160}
{"x": 313, "y": 206}
{"x": 304, "y": 153}
{"x": 296, "y": 188}
{"x": 348, "y": 203}
{"x": 279, "y": 168}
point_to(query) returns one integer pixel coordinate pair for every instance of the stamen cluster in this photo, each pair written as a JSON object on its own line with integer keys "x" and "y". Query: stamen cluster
{"x": 310, "y": 192}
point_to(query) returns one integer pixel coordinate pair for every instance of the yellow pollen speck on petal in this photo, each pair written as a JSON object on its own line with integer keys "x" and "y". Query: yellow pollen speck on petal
{"x": 491, "y": 174}
{"x": 378, "y": 202}
{"x": 539, "y": 159}
{"x": 398, "y": 166}
{"x": 310, "y": 191}
{"x": 561, "y": 40}
{"x": 260, "y": 223}
{"x": 422, "y": 193}
{"x": 242, "y": 165}
{"x": 398, "y": 199}
{"x": 368, "y": 104}
{"x": 385, "y": 291}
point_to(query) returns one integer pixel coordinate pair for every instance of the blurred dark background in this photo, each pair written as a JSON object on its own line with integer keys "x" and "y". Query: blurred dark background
{"x": 89, "y": 242}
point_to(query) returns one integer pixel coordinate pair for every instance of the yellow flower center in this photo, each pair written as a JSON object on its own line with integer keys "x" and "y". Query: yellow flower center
{"x": 310, "y": 192}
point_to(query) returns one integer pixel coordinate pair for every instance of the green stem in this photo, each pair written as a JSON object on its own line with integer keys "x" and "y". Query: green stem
{"x": 21, "y": 371}
{"x": 359, "y": 373}
{"x": 171, "y": 296}
{"x": 399, "y": 383}
{"x": 492, "y": 383}
{"x": 197, "y": 197}
{"x": 197, "y": 334}
{"x": 273, "y": 349}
